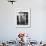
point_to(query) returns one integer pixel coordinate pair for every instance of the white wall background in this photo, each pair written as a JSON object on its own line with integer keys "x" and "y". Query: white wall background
{"x": 8, "y": 28}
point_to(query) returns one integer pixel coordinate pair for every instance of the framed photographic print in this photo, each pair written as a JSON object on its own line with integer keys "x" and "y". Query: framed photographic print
{"x": 23, "y": 16}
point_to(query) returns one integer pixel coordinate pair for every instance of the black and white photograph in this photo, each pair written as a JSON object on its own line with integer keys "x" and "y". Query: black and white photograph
{"x": 23, "y": 18}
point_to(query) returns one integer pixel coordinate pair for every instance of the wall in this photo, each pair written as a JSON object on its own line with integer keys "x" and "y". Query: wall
{"x": 8, "y": 28}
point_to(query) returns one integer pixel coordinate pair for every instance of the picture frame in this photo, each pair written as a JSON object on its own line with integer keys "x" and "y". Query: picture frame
{"x": 23, "y": 17}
